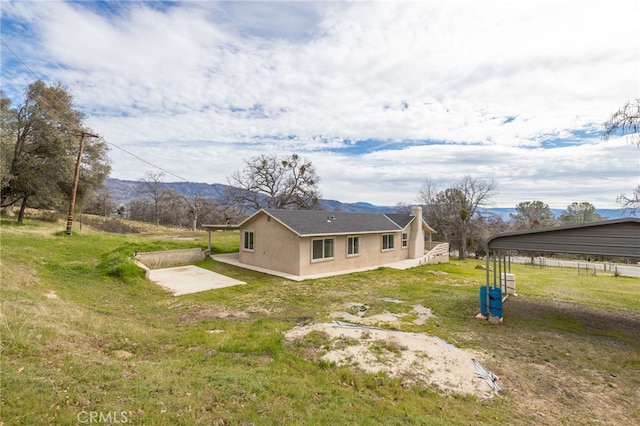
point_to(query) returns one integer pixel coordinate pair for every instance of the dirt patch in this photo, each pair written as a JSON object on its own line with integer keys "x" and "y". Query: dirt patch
{"x": 122, "y": 354}
{"x": 584, "y": 316}
{"x": 178, "y": 237}
{"x": 412, "y": 357}
{"x": 562, "y": 360}
{"x": 51, "y": 295}
{"x": 213, "y": 314}
{"x": 356, "y": 312}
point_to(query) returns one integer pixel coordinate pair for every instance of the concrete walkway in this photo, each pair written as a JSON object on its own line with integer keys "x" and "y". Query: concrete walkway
{"x": 190, "y": 279}
{"x": 233, "y": 259}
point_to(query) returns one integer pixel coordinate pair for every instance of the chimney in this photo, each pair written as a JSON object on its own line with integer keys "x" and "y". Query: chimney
{"x": 416, "y": 234}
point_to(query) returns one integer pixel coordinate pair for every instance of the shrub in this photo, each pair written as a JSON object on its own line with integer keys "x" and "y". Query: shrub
{"x": 118, "y": 265}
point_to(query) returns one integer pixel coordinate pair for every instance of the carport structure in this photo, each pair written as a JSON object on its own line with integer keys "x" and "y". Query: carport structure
{"x": 618, "y": 238}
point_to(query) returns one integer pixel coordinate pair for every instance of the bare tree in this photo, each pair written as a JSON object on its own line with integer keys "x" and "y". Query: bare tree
{"x": 194, "y": 209}
{"x": 427, "y": 195}
{"x": 402, "y": 207}
{"x": 484, "y": 227}
{"x": 625, "y": 121}
{"x": 454, "y": 211}
{"x": 101, "y": 202}
{"x": 140, "y": 210}
{"x": 190, "y": 210}
{"x": 630, "y": 203}
{"x": 289, "y": 182}
{"x": 477, "y": 193}
{"x": 218, "y": 214}
{"x": 174, "y": 209}
{"x": 152, "y": 188}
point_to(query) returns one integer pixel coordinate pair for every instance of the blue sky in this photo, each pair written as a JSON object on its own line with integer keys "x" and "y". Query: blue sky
{"x": 380, "y": 96}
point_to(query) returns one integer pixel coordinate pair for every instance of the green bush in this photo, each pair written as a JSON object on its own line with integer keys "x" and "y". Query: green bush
{"x": 117, "y": 264}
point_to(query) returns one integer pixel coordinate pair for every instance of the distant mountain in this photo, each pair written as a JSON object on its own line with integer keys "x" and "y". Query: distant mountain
{"x": 505, "y": 212}
{"x": 124, "y": 191}
{"x": 360, "y": 207}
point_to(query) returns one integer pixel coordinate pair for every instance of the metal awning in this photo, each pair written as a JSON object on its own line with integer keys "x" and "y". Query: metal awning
{"x": 618, "y": 237}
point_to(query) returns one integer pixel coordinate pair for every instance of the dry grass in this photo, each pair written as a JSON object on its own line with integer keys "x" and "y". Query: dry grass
{"x": 74, "y": 339}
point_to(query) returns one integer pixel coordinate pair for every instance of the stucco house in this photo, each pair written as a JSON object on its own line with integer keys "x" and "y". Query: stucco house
{"x": 312, "y": 242}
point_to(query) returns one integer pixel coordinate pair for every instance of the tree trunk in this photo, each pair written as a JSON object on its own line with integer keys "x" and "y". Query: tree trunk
{"x": 23, "y": 208}
{"x": 195, "y": 212}
{"x": 463, "y": 244}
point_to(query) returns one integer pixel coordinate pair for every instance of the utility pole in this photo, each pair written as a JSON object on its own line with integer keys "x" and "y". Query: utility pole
{"x": 76, "y": 178}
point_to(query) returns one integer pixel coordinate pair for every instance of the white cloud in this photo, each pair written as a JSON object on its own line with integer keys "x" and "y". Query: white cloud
{"x": 194, "y": 85}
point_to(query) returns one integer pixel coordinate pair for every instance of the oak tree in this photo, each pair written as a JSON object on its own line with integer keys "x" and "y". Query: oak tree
{"x": 40, "y": 147}
{"x": 532, "y": 215}
{"x": 456, "y": 211}
{"x": 577, "y": 213}
{"x": 269, "y": 181}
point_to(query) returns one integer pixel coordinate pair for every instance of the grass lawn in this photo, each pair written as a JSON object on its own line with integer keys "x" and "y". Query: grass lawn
{"x": 83, "y": 333}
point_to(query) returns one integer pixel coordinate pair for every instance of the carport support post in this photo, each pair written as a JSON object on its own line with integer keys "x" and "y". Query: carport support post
{"x": 488, "y": 266}
{"x": 495, "y": 266}
{"x": 487, "y": 284}
{"x": 500, "y": 269}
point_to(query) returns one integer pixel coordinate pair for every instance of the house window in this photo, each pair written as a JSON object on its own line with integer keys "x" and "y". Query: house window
{"x": 405, "y": 240}
{"x": 353, "y": 246}
{"x": 322, "y": 249}
{"x": 248, "y": 240}
{"x": 387, "y": 242}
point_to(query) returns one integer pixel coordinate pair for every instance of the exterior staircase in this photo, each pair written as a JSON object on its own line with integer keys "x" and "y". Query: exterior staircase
{"x": 435, "y": 252}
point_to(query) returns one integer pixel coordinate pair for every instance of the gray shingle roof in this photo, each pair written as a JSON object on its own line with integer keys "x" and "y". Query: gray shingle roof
{"x": 315, "y": 222}
{"x": 402, "y": 219}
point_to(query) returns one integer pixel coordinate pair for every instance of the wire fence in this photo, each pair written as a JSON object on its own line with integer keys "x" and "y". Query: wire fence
{"x": 582, "y": 267}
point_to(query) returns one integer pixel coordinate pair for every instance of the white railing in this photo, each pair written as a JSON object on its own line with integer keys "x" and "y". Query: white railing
{"x": 436, "y": 251}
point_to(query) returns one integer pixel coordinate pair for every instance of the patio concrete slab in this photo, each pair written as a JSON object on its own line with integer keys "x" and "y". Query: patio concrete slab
{"x": 190, "y": 279}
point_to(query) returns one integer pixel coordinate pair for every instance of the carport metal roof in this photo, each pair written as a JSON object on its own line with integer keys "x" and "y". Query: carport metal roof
{"x": 618, "y": 237}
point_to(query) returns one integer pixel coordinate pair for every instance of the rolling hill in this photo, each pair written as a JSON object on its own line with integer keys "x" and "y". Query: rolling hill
{"x": 124, "y": 191}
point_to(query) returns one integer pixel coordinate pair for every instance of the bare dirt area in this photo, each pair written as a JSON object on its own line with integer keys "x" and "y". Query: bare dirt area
{"x": 411, "y": 357}
{"x": 548, "y": 355}
{"x": 557, "y": 374}
{"x": 585, "y": 316}
{"x": 213, "y": 314}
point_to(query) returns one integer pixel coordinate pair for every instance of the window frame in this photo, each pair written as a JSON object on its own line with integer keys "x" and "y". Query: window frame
{"x": 405, "y": 240}
{"x": 251, "y": 240}
{"x": 387, "y": 242}
{"x": 353, "y": 241}
{"x": 325, "y": 246}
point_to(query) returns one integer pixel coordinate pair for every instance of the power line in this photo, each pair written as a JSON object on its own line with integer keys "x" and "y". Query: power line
{"x": 149, "y": 163}
{"x": 19, "y": 59}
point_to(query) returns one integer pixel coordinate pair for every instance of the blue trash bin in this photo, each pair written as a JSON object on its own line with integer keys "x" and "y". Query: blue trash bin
{"x": 495, "y": 301}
